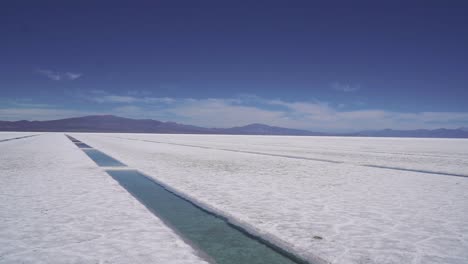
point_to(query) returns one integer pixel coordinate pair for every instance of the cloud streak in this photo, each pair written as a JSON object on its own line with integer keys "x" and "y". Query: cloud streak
{"x": 107, "y": 98}
{"x": 320, "y": 116}
{"x": 37, "y": 113}
{"x": 344, "y": 87}
{"x": 228, "y": 112}
{"x": 59, "y": 76}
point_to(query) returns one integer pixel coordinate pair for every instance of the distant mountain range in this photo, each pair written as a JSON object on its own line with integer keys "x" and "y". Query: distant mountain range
{"x": 110, "y": 123}
{"x": 420, "y": 133}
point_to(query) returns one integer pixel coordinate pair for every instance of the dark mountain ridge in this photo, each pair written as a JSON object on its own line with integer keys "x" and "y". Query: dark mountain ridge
{"x": 116, "y": 124}
{"x": 419, "y": 133}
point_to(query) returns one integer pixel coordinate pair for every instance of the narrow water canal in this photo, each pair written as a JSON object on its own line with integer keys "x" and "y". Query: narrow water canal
{"x": 207, "y": 232}
{"x": 102, "y": 159}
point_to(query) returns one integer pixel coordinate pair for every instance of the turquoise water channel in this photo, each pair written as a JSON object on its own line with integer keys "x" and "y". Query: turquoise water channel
{"x": 82, "y": 145}
{"x": 102, "y": 159}
{"x": 217, "y": 240}
{"x": 222, "y": 242}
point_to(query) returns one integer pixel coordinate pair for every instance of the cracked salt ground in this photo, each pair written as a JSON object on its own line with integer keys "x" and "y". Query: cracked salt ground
{"x": 9, "y": 135}
{"x": 6, "y": 138}
{"x": 57, "y": 206}
{"x": 218, "y": 240}
{"x": 449, "y": 156}
{"x": 222, "y": 242}
{"x": 363, "y": 214}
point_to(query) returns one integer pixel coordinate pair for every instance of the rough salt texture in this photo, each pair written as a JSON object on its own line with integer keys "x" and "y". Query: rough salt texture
{"x": 57, "y": 206}
{"x": 434, "y": 155}
{"x": 339, "y": 213}
{"x": 12, "y": 135}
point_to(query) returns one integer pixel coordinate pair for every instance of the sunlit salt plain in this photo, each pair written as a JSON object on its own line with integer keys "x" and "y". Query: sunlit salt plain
{"x": 57, "y": 206}
{"x": 7, "y": 136}
{"x": 321, "y": 198}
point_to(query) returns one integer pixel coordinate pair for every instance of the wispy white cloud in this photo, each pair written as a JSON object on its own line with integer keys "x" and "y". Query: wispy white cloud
{"x": 72, "y": 75}
{"x": 31, "y": 105}
{"x": 35, "y": 113}
{"x": 59, "y": 76}
{"x": 108, "y": 98}
{"x": 115, "y": 99}
{"x": 221, "y": 113}
{"x": 228, "y": 112}
{"x": 50, "y": 74}
{"x": 345, "y": 87}
{"x": 23, "y": 103}
{"x": 128, "y": 110}
{"x": 320, "y": 116}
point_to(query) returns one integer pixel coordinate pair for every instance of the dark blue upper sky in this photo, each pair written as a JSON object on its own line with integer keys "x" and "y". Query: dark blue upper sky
{"x": 335, "y": 66}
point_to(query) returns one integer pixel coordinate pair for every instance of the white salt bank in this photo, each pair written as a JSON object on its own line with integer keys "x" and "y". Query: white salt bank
{"x": 57, "y": 206}
{"x": 325, "y": 212}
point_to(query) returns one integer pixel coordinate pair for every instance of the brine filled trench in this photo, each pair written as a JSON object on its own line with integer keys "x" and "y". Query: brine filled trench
{"x": 97, "y": 156}
{"x": 213, "y": 235}
{"x": 102, "y": 159}
{"x": 72, "y": 139}
{"x": 207, "y": 232}
{"x": 82, "y": 145}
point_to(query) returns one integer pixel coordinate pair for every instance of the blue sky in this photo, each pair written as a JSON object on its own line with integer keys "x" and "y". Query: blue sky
{"x": 311, "y": 65}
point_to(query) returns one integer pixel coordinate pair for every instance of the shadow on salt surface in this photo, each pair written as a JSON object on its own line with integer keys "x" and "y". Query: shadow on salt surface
{"x": 224, "y": 243}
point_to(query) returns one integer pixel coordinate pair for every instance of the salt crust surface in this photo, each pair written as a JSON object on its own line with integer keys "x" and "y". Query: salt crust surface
{"x": 363, "y": 214}
{"x": 9, "y": 135}
{"x": 57, "y": 206}
{"x": 437, "y": 155}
